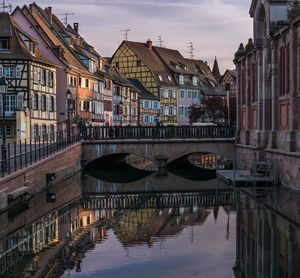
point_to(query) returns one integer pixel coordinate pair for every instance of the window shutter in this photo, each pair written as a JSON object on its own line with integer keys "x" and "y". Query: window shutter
{"x": 18, "y": 72}
{"x": 82, "y": 105}
{"x": 55, "y": 104}
{"x": 174, "y": 111}
{"x": 90, "y": 106}
{"x": 48, "y": 103}
{"x": 20, "y": 98}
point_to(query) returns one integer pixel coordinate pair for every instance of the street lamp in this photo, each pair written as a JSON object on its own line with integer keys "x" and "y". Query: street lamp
{"x": 3, "y": 92}
{"x": 68, "y": 96}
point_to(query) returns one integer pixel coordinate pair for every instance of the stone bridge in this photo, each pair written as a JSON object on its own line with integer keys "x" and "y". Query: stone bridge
{"x": 168, "y": 144}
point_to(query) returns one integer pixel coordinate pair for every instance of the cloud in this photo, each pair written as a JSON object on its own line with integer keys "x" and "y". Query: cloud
{"x": 216, "y": 27}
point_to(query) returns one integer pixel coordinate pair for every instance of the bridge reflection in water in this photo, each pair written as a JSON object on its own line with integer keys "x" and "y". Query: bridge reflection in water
{"x": 137, "y": 232}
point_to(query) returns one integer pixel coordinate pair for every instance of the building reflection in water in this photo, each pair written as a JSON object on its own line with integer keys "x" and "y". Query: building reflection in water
{"x": 57, "y": 242}
{"x": 268, "y": 235}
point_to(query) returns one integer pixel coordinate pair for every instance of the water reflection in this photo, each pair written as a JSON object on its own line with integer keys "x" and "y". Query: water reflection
{"x": 268, "y": 234}
{"x": 154, "y": 227}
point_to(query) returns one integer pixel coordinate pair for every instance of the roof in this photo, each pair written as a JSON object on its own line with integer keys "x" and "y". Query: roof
{"x": 150, "y": 58}
{"x": 233, "y": 73}
{"x": 216, "y": 71}
{"x": 118, "y": 78}
{"x": 18, "y": 49}
{"x": 53, "y": 36}
{"x": 142, "y": 91}
{"x": 174, "y": 60}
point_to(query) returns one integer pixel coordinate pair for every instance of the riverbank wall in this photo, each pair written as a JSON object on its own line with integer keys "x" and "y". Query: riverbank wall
{"x": 63, "y": 164}
{"x": 288, "y": 163}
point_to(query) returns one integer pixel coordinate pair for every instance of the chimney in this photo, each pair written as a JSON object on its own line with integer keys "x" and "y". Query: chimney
{"x": 149, "y": 44}
{"x": 75, "y": 27}
{"x": 49, "y": 11}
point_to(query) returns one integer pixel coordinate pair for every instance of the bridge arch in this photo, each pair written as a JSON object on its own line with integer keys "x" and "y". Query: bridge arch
{"x": 172, "y": 149}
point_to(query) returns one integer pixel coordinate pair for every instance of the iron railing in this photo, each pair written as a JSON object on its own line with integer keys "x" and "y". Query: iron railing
{"x": 151, "y": 132}
{"x": 26, "y": 152}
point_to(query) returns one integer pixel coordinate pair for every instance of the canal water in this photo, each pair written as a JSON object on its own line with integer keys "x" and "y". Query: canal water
{"x": 150, "y": 226}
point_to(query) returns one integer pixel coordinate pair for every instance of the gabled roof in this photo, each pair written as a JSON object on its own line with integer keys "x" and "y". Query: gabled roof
{"x": 150, "y": 58}
{"x": 174, "y": 60}
{"x": 118, "y": 78}
{"x": 142, "y": 91}
{"x": 52, "y": 34}
{"x": 233, "y": 73}
{"x": 18, "y": 49}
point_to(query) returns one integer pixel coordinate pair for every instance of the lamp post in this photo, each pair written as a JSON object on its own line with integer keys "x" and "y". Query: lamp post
{"x": 68, "y": 96}
{"x": 3, "y": 92}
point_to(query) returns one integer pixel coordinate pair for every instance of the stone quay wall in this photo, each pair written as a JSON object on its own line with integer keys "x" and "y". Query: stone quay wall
{"x": 64, "y": 164}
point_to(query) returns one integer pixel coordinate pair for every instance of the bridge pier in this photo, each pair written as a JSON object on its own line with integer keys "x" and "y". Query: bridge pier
{"x": 161, "y": 165}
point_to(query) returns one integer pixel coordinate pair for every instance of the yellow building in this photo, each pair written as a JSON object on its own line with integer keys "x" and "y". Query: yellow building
{"x": 140, "y": 61}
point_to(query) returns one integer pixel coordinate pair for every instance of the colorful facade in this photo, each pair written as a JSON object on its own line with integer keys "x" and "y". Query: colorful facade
{"x": 30, "y": 103}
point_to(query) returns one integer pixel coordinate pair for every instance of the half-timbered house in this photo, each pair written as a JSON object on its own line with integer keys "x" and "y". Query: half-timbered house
{"x": 140, "y": 61}
{"x": 30, "y": 103}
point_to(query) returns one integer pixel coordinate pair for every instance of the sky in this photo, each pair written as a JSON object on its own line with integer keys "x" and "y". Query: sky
{"x": 215, "y": 27}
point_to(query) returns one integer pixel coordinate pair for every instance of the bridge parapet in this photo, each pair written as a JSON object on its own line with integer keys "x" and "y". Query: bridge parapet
{"x": 150, "y": 132}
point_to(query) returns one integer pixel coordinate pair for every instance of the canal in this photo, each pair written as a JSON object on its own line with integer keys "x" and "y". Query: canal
{"x": 143, "y": 225}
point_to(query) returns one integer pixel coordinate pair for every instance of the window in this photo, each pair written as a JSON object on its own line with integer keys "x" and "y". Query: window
{"x": 44, "y": 132}
{"x": 170, "y": 93}
{"x": 44, "y": 101}
{"x": 182, "y": 93}
{"x": 10, "y": 103}
{"x": 52, "y": 103}
{"x": 282, "y": 68}
{"x": 18, "y": 72}
{"x": 43, "y": 77}
{"x": 155, "y": 105}
{"x": 4, "y": 44}
{"x": 181, "y": 79}
{"x": 80, "y": 81}
{"x": 146, "y": 104}
{"x": 190, "y": 94}
{"x": 254, "y": 94}
{"x": 52, "y": 131}
{"x": 36, "y": 132}
{"x": 170, "y": 78}
{"x": 50, "y": 79}
{"x": 35, "y": 101}
{"x": 9, "y": 72}
{"x": 117, "y": 65}
{"x": 35, "y": 75}
{"x": 147, "y": 119}
{"x": 87, "y": 83}
{"x": 160, "y": 78}
{"x": 85, "y": 106}
{"x": 181, "y": 111}
{"x": 171, "y": 110}
{"x": 195, "y": 93}
{"x": 8, "y": 130}
{"x": 139, "y": 63}
{"x": 195, "y": 80}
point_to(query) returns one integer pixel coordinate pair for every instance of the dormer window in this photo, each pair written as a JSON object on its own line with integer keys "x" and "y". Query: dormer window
{"x": 170, "y": 78}
{"x": 160, "y": 78}
{"x": 195, "y": 80}
{"x": 181, "y": 79}
{"x": 4, "y": 44}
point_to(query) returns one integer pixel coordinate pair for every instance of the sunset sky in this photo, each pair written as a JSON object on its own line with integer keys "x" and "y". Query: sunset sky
{"x": 216, "y": 27}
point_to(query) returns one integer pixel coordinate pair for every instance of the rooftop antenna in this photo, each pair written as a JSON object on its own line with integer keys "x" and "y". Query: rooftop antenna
{"x": 160, "y": 42}
{"x": 125, "y": 33}
{"x": 65, "y": 19}
{"x": 5, "y": 6}
{"x": 191, "y": 49}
